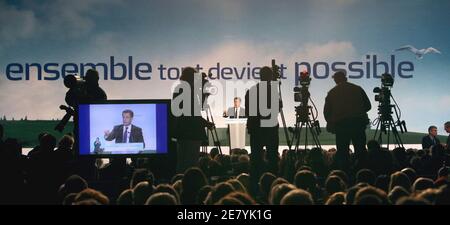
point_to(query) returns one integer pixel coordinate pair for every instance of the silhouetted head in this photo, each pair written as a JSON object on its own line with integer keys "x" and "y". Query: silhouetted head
{"x": 422, "y": 184}
{"x": 373, "y": 145}
{"x": 91, "y": 194}
{"x": 192, "y": 181}
{"x": 297, "y": 197}
{"x": 266, "y": 74}
{"x": 278, "y": 181}
{"x": 125, "y": 198}
{"x": 166, "y": 188}
{"x": 245, "y": 180}
{"x": 379, "y": 196}
{"x": 141, "y": 192}
{"x": 351, "y": 193}
{"x": 411, "y": 173}
{"x": 397, "y": 193}
{"x": 140, "y": 175}
{"x": 334, "y": 184}
{"x": 237, "y": 185}
{"x": 162, "y": 198}
{"x": 47, "y": 142}
{"x": 382, "y": 182}
{"x": 214, "y": 152}
{"x": 74, "y": 184}
{"x": 340, "y": 76}
{"x": 265, "y": 182}
{"x": 243, "y": 197}
{"x": 219, "y": 191}
{"x": 66, "y": 142}
{"x": 127, "y": 117}
{"x": 91, "y": 77}
{"x": 187, "y": 75}
{"x": 305, "y": 180}
{"x": 365, "y": 176}
{"x": 279, "y": 191}
{"x": 341, "y": 174}
{"x": 400, "y": 179}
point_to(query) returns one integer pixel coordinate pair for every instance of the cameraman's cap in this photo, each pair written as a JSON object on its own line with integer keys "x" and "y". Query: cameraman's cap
{"x": 340, "y": 74}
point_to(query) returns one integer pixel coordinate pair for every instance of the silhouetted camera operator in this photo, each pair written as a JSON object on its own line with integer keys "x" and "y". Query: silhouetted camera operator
{"x": 262, "y": 108}
{"x": 86, "y": 89}
{"x": 190, "y": 131}
{"x": 345, "y": 111}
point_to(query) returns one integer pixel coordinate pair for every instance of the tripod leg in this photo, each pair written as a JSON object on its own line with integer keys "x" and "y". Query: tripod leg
{"x": 315, "y": 137}
{"x": 376, "y": 129}
{"x": 380, "y": 136}
{"x": 286, "y": 133}
{"x": 296, "y": 135}
{"x": 388, "y": 134}
{"x": 214, "y": 134}
{"x": 299, "y": 128}
{"x": 306, "y": 134}
{"x": 398, "y": 140}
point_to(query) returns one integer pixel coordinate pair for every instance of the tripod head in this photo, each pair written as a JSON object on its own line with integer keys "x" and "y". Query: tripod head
{"x": 301, "y": 94}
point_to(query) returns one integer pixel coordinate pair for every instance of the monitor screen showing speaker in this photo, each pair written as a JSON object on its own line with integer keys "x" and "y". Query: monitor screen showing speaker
{"x": 123, "y": 128}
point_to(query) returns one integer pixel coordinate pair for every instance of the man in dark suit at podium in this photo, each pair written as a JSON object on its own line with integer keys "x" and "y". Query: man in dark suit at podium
{"x": 126, "y": 132}
{"x": 236, "y": 111}
{"x": 431, "y": 139}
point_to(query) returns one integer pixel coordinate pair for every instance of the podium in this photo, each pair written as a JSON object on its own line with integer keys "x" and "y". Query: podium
{"x": 236, "y": 132}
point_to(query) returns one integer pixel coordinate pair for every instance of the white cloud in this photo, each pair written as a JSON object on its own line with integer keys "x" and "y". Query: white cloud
{"x": 330, "y": 51}
{"x": 15, "y": 24}
{"x": 55, "y": 19}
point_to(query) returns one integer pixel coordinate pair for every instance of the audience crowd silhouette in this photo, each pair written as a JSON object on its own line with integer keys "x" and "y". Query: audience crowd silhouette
{"x": 51, "y": 174}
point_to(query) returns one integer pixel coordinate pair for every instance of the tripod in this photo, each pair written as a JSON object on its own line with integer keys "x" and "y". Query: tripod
{"x": 212, "y": 131}
{"x": 385, "y": 122}
{"x": 386, "y": 125}
{"x": 302, "y": 119}
{"x": 276, "y": 71}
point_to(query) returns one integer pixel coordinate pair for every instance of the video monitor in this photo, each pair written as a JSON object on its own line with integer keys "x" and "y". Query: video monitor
{"x": 123, "y": 128}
